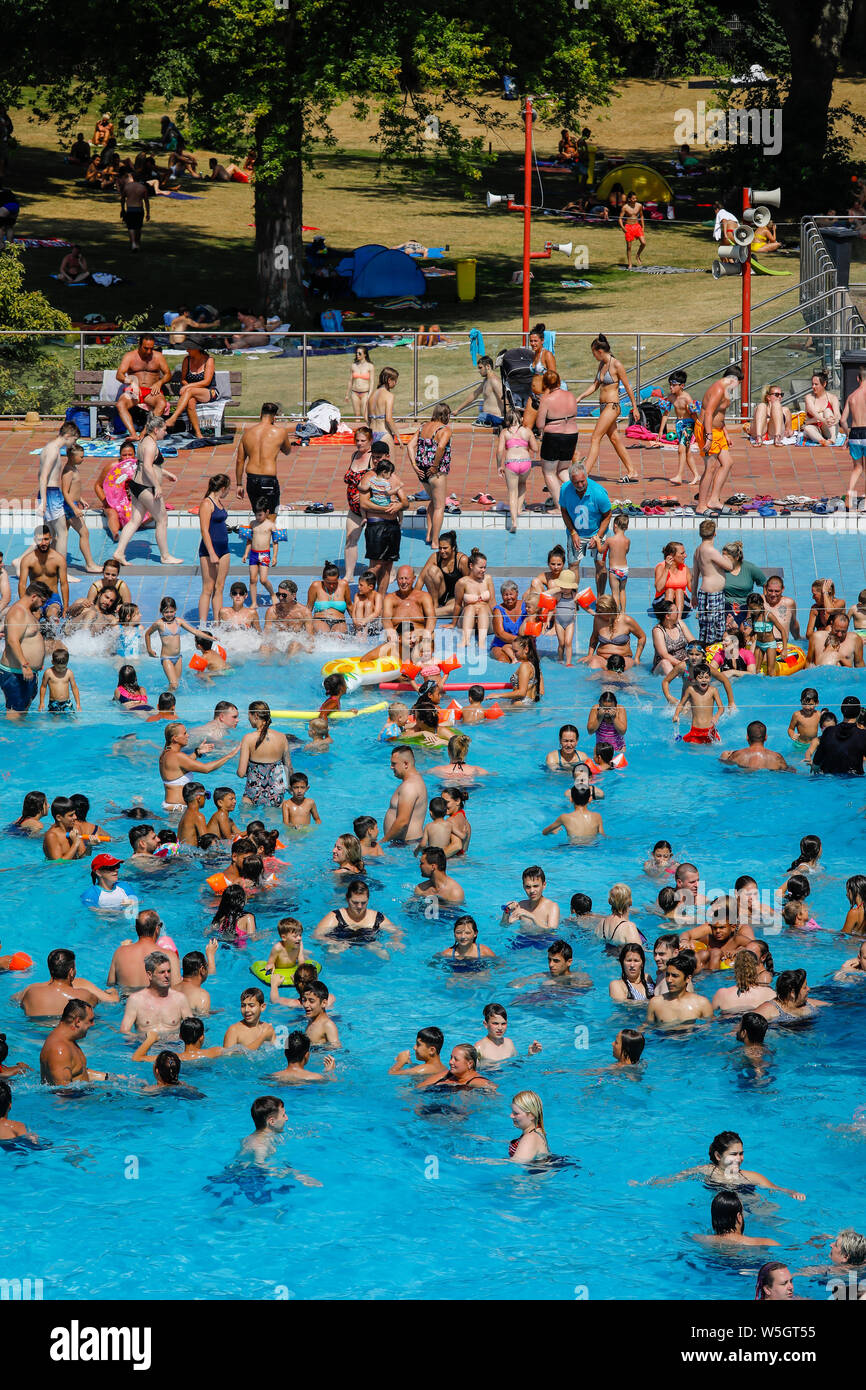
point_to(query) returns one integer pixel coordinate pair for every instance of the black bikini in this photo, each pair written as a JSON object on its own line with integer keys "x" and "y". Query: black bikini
{"x": 136, "y": 488}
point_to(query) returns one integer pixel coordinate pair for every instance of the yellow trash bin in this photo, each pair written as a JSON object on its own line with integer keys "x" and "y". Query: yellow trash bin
{"x": 466, "y": 279}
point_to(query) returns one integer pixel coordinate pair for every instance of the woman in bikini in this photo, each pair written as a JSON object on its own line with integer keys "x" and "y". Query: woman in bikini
{"x": 557, "y": 423}
{"x": 264, "y": 760}
{"x": 670, "y": 637}
{"x": 175, "y": 766}
{"x": 616, "y": 927}
{"x": 514, "y": 449}
{"x": 673, "y": 580}
{"x": 527, "y": 1114}
{"x": 430, "y": 454}
{"x": 196, "y": 385}
{"x": 462, "y": 1071}
{"x": 360, "y": 382}
{"x": 359, "y": 464}
{"x": 328, "y": 600}
{"x": 455, "y": 799}
{"x": 527, "y": 683}
{"x": 380, "y": 407}
{"x": 634, "y": 985}
{"x": 609, "y": 378}
{"x": 542, "y": 359}
{"x": 612, "y": 632}
{"x": 145, "y": 490}
{"x": 792, "y": 1000}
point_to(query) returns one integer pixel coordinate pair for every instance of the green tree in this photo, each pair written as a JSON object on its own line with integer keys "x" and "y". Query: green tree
{"x": 23, "y": 356}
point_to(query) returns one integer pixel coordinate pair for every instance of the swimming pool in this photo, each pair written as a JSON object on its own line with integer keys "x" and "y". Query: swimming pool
{"x": 416, "y": 1200}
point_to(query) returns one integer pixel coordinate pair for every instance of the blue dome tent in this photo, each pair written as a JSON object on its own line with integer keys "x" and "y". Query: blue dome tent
{"x": 376, "y": 272}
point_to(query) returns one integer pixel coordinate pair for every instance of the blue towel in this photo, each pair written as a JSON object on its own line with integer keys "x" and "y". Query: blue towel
{"x": 550, "y": 340}
{"x": 476, "y": 346}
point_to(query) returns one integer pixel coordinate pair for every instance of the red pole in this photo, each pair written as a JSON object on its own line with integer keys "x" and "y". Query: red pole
{"x": 527, "y": 212}
{"x": 746, "y": 316}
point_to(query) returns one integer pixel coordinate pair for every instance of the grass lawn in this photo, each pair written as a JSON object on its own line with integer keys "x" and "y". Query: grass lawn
{"x": 204, "y": 253}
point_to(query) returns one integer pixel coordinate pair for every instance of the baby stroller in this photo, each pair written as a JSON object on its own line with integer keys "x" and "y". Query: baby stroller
{"x": 515, "y": 366}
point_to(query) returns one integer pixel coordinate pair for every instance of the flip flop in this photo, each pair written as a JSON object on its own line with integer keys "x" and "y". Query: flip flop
{"x": 485, "y": 499}
{"x": 452, "y": 510}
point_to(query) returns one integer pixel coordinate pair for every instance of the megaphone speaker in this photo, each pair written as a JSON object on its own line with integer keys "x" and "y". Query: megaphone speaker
{"x": 743, "y": 235}
{"x": 773, "y": 196}
{"x": 566, "y": 247}
{"x": 758, "y": 217}
{"x": 722, "y": 268}
{"x": 733, "y": 253}
{"x": 493, "y": 198}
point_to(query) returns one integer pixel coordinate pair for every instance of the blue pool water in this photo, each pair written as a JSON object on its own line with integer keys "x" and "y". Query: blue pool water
{"x": 416, "y": 1199}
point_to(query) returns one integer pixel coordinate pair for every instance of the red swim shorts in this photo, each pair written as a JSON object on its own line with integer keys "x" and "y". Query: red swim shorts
{"x": 633, "y": 231}
{"x": 710, "y": 735}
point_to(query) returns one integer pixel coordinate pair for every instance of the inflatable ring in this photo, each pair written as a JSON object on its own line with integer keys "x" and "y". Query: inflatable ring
{"x": 360, "y": 673}
{"x": 793, "y": 662}
{"x": 286, "y": 973}
{"x": 338, "y": 714}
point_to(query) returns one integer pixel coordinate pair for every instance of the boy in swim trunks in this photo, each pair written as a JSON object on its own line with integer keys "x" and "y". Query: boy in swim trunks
{"x": 615, "y": 550}
{"x": 685, "y": 413}
{"x": 59, "y": 684}
{"x": 712, "y": 439}
{"x": 251, "y": 1032}
{"x": 803, "y": 725}
{"x": 288, "y": 951}
{"x": 299, "y": 809}
{"x": 263, "y": 537}
{"x": 857, "y": 614}
{"x": 50, "y": 469}
{"x": 703, "y": 700}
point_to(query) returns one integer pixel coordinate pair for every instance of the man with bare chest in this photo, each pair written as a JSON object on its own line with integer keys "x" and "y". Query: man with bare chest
{"x": 134, "y": 208}
{"x": 143, "y": 373}
{"x": 24, "y": 653}
{"x": 256, "y": 453}
{"x": 157, "y": 1008}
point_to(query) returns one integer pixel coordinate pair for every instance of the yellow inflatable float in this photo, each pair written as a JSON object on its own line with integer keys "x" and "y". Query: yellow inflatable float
{"x": 792, "y": 663}
{"x": 360, "y": 673}
{"x": 314, "y": 714}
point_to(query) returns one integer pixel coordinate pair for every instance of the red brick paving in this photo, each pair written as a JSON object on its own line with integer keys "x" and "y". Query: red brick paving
{"x": 316, "y": 473}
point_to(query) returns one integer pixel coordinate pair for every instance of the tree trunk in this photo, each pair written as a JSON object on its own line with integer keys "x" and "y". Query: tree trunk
{"x": 278, "y": 218}
{"x": 816, "y": 31}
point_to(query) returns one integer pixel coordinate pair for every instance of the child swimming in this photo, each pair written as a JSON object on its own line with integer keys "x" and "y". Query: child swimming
{"x": 169, "y": 627}
{"x": 59, "y": 684}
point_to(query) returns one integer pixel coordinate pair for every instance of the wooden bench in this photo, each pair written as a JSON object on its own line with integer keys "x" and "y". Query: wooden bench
{"x": 97, "y": 387}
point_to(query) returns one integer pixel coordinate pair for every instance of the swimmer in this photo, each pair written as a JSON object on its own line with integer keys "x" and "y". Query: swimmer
{"x": 455, "y": 799}
{"x": 661, "y": 860}
{"x": 751, "y": 1031}
{"x": 168, "y": 625}
{"x": 305, "y": 974}
{"x": 251, "y": 1032}
{"x": 428, "y": 1046}
{"x": 49, "y": 998}
{"x": 209, "y": 659}
{"x": 792, "y": 1000}
{"x": 357, "y": 923}
{"x": 495, "y": 1046}
{"x": 34, "y": 807}
{"x": 238, "y": 615}
{"x": 581, "y": 778}
{"x": 221, "y": 824}
{"x": 616, "y": 927}
{"x": 437, "y": 884}
{"x": 664, "y": 949}
{"x": 808, "y": 859}
{"x": 466, "y": 944}
{"x": 59, "y": 685}
{"x": 269, "y": 1118}
{"x": 63, "y": 840}
{"x": 16, "y": 1069}
{"x": 366, "y": 829}
{"x": 729, "y": 1224}
{"x": 706, "y": 707}
{"x": 567, "y": 756}
{"x": 634, "y": 985}
{"x": 535, "y": 910}
{"x": 756, "y": 757}
{"x": 347, "y": 856}
{"x": 803, "y": 725}
{"x": 559, "y": 971}
{"x": 527, "y": 1114}
{"x": 61, "y": 1061}
{"x": 156, "y": 1008}
{"x": 668, "y": 904}
{"x": 192, "y": 824}
{"x": 437, "y": 833}
{"x": 288, "y": 952}
{"x": 299, "y": 809}
{"x": 628, "y": 1046}
{"x": 320, "y": 1028}
{"x": 195, "y": 969}
{"x": 473, "y": 712}
{"x": 297, "y": 1052}
{"x": 462, "y": 1071}
{"x": 458, "y": 751}
{"x": 10, "y": 1129}
{"x": 746, "y": 995}
{"x": 404, "y": 818}
{"x": 724, "y": 1168}
{"x": 854, "y": 968}
{"x": 400, "y": 721}
{"x": 674, "y": 1003}
{"x": 580, "y": 824}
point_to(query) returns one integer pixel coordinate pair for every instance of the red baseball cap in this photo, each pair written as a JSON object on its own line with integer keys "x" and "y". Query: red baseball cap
{"x": 105, "y": 861}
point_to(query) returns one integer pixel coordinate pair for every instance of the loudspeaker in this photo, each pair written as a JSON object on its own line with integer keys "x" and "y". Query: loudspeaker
{"x": 723, "y": 268}
{"x": 773, "y": 196}
{"x": 737, "y": 252}
{"x": 758, "y": 217}
{"x": 494, "y": 198}
{"x": 743, "y": 235}
{"x": 566, "y": 247}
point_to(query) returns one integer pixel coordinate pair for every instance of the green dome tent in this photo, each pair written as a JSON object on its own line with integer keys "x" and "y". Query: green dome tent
{"x": 647, "y": 184}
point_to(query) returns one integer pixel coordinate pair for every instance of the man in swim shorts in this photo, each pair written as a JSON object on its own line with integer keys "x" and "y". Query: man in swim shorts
{"x": 24, "y": 652}
{"x": 407, "y": 611}
{"x": 709, "y": 567}
{"x": 404, "y": 818}
{"x": 143, "y": 375}
{"x": 675, "y": 1003}
{"x": 61, "y": 1060}
{"x": 256, "y": 454}
{"x": 50, "y": 468}
{"x": 48, "y": 998}
{"x": 586, "y": 513}
{"x": 206, "y": 737}
{"x": 713, "y": 441}
{"x": 42, "y": 564}
{"x": 127, "y": 964}
{"x": 488, "y": 394}
{"x": 134, "y": 208}
{"x": 853, "y": 423}
{"x": 756, "y": 756}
